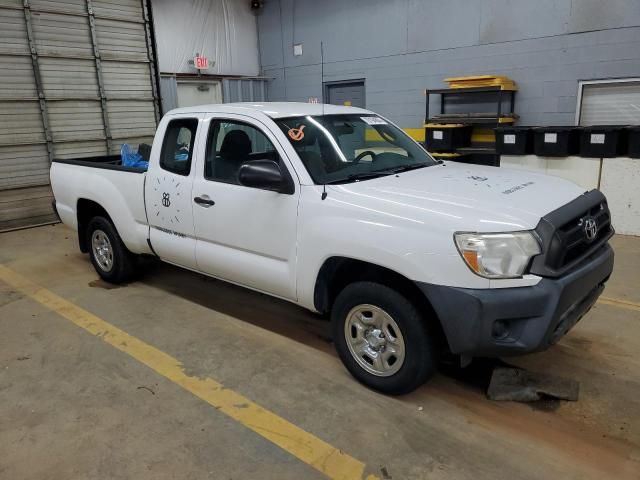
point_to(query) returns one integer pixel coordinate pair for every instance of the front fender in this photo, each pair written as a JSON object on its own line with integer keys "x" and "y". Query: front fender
{"x": 411, "y": 247}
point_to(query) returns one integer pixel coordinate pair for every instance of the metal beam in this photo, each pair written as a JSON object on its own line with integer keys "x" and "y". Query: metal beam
{"x": 36, "y": 73}
{"x": 152, "y": 61}
{"x": 59, "y": 11}
{"x": 98, "y": 62}
{"x": 72, "y": 56}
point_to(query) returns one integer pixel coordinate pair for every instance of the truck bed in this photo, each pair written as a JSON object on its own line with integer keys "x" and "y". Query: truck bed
{"x": 109, "y": 162}
{"x": 103, "y": 180}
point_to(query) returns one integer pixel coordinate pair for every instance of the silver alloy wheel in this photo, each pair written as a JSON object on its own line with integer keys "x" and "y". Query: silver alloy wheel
{"x": 374, "y": 339}
{"x": 102, "y": 250}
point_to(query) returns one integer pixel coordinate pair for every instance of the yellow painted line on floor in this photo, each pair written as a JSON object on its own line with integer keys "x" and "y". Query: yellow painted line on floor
{"x": 308, "y": 448}
{"x": 615, "y": 302}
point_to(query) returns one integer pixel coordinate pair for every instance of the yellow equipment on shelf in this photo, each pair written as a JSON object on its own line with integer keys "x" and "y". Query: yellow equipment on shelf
{"x": 445, "y": 154}
{"x": 475, "y": 81}
{"x": 444, "y": 125}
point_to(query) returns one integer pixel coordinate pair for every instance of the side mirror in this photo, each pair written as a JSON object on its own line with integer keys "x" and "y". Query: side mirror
{"x": 264, "y": 174}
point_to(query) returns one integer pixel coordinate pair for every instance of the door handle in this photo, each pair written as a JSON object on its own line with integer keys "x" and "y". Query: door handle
{"x": 204, "y": 201}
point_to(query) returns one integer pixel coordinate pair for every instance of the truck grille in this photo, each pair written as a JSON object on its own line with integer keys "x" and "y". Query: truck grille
{"x": 572, "y": 233}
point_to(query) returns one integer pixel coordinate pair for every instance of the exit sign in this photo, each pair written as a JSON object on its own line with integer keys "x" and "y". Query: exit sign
{"x": 201, "y": 62}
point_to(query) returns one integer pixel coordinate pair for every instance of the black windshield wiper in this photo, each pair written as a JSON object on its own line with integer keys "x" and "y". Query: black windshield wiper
{"x": 379, "y": 173}
{"x": 404, "y": 168}
{"x": 358, "y": 176}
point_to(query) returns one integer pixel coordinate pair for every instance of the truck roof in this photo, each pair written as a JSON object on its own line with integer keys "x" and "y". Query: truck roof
{"x": 273, "y": 109}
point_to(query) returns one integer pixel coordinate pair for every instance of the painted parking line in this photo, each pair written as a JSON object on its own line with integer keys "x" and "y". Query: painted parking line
{"x": 317, "y": 453}
{"x": 616, "y": 302}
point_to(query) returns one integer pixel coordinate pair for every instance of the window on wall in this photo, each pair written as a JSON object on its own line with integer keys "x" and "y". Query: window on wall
{"x": 609, "y": 102}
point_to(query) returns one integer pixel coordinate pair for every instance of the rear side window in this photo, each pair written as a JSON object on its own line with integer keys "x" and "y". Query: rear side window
{"x": 177, "y": 147}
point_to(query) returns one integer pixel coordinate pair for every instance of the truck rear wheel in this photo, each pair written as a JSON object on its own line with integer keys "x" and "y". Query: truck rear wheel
{"x": 382, "y": 338}
{"x": 110, "y": 257}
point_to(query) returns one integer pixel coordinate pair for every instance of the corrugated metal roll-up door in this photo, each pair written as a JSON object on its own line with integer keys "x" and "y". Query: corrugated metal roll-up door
{"x": 610, "y": 102}
{"x": 23, "y": 149}
{"x": 77, "y": 78}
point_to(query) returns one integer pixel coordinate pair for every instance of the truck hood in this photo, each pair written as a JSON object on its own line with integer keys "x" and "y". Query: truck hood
{"x": 466, "y": 197}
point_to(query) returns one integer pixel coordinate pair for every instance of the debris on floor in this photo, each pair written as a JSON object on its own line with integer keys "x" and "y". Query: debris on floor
{"x": 514, "y": 384}
{"x": 385, "y": 473}
{"x": 102, "y": 284}
{"x": 142, "y": 387}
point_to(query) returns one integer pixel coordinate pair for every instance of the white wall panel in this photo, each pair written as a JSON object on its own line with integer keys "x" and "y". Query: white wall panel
{"x": 581, "y": 171}
{"x": 223, "y": 30}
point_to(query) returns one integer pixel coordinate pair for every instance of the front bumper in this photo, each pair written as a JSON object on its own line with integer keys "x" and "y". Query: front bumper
{"x": 512, "y": 321}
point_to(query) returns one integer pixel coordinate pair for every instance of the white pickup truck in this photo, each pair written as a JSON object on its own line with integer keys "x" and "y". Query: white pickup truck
{"x": 337, "y": 210}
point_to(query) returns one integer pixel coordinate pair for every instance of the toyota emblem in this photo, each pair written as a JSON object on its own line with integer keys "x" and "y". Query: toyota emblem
{"x": 590, "y": 228}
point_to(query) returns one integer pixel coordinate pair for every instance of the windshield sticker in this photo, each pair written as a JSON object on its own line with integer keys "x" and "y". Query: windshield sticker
{"x": 296, "y": 134}
{"x": 373, "y": 120}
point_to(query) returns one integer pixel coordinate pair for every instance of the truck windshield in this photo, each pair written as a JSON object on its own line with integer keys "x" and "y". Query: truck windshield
{"x": 347, "y": 148}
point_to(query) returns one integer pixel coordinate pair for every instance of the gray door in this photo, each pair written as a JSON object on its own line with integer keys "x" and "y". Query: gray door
{"x": 76, "y": 79}
{"x": 346, "y": 93}
{"x": 191, "y": 94}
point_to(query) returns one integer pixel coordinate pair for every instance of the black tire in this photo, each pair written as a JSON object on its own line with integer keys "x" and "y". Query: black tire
{"x": 419, "y": 362}
{"x": 122, "y": 260}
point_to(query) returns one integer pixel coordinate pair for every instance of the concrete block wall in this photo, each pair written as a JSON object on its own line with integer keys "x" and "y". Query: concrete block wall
{"x": 618, "y": 178}
{"x": 401, "y": 47}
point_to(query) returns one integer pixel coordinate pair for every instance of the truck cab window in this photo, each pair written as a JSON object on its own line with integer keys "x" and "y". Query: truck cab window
{"x": 177, "y": 148}
{"x": 230, "y": 144}
{"x": 345, "y": 148}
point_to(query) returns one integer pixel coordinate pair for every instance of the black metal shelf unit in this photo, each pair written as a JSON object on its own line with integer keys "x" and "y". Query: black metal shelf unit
{"x": 502, "y": 114}
{"x": 468, "y": 117}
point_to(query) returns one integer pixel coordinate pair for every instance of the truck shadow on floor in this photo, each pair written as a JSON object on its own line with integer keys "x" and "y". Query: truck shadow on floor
{"x": 258, "y": 309}
{"x": 294, "y": 322}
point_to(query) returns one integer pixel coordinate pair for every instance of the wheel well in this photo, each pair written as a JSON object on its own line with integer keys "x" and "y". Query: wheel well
{"x": 86, "y": 210}
{"x": 338, "y": 272}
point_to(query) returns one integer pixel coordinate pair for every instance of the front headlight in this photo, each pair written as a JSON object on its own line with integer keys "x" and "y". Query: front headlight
{"x": 497, "y": 255}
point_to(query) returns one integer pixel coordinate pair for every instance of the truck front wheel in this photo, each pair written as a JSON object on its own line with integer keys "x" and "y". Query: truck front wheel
{"x": 382, "y": 338}
{"x": 110, "y": 257}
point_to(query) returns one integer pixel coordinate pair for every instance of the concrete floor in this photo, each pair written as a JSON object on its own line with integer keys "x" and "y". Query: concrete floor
{"x": 72, "y": 406}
